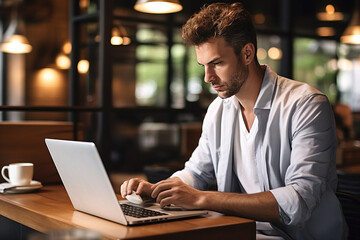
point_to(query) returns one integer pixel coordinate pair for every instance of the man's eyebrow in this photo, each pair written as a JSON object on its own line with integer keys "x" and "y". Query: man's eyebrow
{"x": 212, "y": 61}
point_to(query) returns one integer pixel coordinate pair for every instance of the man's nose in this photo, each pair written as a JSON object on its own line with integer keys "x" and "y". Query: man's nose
{"x": 209, "y": 75}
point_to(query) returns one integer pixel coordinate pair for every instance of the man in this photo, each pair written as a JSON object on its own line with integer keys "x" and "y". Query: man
{"x": 267, "y": 141}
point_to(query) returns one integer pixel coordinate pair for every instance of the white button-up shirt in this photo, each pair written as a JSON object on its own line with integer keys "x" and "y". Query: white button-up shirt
{"x": 294, "y": 153}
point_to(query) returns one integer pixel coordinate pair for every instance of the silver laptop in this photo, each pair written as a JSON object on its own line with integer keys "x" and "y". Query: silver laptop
{"x": 89, "y": 188}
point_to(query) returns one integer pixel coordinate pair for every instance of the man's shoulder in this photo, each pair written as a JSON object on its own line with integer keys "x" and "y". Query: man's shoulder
{"x": 286, "y": 90}
{"x": 293, "y": 89}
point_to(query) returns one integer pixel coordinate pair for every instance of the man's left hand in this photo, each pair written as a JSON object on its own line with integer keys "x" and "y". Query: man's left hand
{"x": 174, "y": 191}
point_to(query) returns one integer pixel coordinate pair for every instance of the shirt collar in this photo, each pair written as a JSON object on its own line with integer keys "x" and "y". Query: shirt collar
{"x": 265, "y": 97}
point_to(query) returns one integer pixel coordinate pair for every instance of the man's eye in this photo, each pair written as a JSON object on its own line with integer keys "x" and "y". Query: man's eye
{"x": 217, "y": 63}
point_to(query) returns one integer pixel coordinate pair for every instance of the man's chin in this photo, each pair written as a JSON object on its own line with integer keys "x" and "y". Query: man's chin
{"x": 224, "y": 95}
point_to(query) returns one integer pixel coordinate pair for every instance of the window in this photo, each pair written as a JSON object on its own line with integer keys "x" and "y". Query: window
{"x": 269, "y": 51}
{"x": 315, "y": 63}
{"x": 348, "y": 80}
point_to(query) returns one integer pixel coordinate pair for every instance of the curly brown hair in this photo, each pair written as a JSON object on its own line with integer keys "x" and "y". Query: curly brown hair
{"x": 230, "y": 21}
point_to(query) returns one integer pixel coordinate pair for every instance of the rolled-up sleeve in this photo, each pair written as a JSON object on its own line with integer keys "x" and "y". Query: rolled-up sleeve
{"x": 313, "y": 142}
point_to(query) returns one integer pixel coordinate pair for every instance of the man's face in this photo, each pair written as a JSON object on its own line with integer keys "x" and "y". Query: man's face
{"x": 223, "y": 69}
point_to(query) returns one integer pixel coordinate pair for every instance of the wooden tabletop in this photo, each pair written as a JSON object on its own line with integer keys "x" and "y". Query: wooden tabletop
{"x": 50, "y": 210}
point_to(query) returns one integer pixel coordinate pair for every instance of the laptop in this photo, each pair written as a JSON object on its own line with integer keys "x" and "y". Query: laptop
{"x": 89, "y": 188}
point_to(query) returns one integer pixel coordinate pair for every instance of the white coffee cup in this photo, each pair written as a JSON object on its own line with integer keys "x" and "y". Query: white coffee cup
{"x": 20, "y": 174}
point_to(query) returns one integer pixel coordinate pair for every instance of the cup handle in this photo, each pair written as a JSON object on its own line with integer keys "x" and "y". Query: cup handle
{"x": 3, "y": 173}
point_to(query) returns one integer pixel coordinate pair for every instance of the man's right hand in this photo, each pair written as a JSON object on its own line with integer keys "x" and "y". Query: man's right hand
{"x": 140, "y": 186}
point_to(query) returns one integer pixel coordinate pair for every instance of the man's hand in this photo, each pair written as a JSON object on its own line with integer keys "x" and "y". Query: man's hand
{"x": 174, "y": 191}
{"x": 140, "y": 186}
{"x": 258, "y": 206}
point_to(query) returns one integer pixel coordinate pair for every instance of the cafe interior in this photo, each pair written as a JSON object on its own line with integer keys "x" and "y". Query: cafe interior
{"x": 117, "y": 73}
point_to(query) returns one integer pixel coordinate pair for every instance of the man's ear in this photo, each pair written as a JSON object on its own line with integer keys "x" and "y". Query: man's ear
{"x": 248, "y": 53}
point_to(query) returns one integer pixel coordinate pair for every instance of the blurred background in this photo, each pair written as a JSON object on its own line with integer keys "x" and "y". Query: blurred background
{"x": 124, "y": 79}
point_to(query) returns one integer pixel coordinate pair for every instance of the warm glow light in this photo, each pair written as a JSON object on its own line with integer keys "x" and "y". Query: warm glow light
{"x": 351, "y": 35}
{"x": 119, "y": 36}
{"x": 66, "y": 48}
{"x": 116, "y": 40}
{"x": 126, "y": 40}
{"x": 158, "y": 6}
{"x": 325, "y": 31}
{"x": 97, "y": 38}
{"x": 330, "y": 14}
{"x": 16, "y": 44}
{"x": 84, "y": 3}
{"x": 259, "y": 18}
{"x": 330, "y": 9}
{"x": 48, "y": 87}
{"x": 344, "y": 64}
{"x": 83, "y": 66}
{"x": 62, "y": 61}
{"x": 48, "y": 76}
{"x": 14, "y": 40}
{"x": 275, "y": 53}
{"x": 261, "y": 54}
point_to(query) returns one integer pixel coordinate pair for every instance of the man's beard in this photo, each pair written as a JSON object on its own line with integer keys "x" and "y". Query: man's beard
{"x": 236, "y": 81}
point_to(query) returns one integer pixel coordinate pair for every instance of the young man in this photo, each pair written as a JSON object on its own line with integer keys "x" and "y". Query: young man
{"x": 267, "y": 141}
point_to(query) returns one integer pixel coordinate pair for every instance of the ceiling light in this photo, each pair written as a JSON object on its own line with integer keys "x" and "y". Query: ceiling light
{"x": 83, "y": 66}
{"x": 16, "y": 44}
{"x": 62, "y": 61}
{"x": 330, "y": 14}
{"x": 158, "y": 6}
{"x": 14, "y": 40}
{"x": 351, "y": 34}
{"x": 120, "y": 36}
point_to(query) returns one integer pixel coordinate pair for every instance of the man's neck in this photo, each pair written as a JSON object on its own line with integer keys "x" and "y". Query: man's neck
{"x": 249, "y": 92}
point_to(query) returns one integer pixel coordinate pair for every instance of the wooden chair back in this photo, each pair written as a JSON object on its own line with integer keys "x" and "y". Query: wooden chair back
{"x": 24, "y": 142}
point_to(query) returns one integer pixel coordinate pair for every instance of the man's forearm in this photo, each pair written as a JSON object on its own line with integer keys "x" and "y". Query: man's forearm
{"x": 259, "y": 206}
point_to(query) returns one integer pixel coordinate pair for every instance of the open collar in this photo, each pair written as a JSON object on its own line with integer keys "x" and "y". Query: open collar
{"x": 265, "y": 97}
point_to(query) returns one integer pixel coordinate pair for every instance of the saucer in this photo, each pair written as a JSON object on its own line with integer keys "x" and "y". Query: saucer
{"x": 8, "y": 188}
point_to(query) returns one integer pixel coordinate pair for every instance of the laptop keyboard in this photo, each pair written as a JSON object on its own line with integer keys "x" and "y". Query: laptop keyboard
{"x": 139, "y": 212}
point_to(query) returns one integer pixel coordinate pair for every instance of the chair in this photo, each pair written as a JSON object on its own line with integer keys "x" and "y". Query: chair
{"x": 348, "y": 193}
{"x": 348, "y": 182}
{"x": 24, "y": 142}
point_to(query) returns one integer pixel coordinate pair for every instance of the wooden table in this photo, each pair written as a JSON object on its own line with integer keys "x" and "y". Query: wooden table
{"x": 50, "y": 210}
